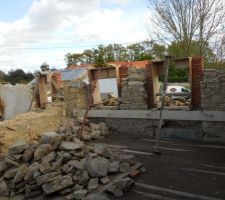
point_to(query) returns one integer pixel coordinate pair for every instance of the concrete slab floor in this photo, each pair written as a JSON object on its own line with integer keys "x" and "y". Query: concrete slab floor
{"x": 185, "y": 170}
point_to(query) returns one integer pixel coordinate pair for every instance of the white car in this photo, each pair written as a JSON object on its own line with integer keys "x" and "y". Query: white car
{"x": 173, "y": 89}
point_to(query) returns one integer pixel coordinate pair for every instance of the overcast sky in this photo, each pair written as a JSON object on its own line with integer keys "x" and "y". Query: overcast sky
{"x": 34, "y": 31}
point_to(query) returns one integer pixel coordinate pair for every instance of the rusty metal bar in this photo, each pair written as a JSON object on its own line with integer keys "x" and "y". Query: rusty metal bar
{"x": 166, "y": 65}
{"x": 89, "y": 105}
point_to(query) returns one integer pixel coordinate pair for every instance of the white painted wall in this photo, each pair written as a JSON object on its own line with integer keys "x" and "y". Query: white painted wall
{"x": 17, "y": 99}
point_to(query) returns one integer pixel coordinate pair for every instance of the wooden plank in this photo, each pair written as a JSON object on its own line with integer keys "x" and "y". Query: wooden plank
{"x": 118, "y": 177}
{"x": 134, "y": 173}
{"x": 154, "y": 114}
{"x": 42, "y": 88}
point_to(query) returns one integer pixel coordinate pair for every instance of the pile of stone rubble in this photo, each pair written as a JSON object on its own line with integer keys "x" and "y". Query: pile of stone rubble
{"x": 64, "y": 166}
{"x": 91, "y": 130}
{"x": 134, "y": 95}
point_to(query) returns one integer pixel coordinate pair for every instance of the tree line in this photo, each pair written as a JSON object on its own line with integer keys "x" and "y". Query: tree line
{"x": 145, "y": 50}
{"x": 16, "y": 76}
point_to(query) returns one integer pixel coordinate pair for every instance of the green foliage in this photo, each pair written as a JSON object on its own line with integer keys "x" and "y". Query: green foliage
{"x": 177, "y": 50}
{"x": 44, "y": 67}
{"x": 215, "y": 65}
{"x": 176, "y": 75}
{"x": 18, "y": 76}
{"x": 145, "y": 50}
{"x": 99, "y": 59}
{"x": 2, "y": 76}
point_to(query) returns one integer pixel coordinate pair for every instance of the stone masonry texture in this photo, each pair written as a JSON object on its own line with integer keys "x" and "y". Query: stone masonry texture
{"x": 213, "y": 98}
{"x": 134, "y": 95}
{"x": 76, "y": 96}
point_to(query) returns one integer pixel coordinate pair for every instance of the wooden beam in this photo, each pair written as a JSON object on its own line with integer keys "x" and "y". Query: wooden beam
{"x": 42, "y": 88}
{"x": 118, "y": 177}
{"x": 181, "y": 115}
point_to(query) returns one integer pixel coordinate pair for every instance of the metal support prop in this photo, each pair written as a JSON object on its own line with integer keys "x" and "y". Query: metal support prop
{"x": 166, "y": 67}
{"x": 80, "y": 134}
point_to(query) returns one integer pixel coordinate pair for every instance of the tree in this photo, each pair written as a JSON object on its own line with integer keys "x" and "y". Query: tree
{"x": 135, "y": 51}
{"x": 87, "y": 57}
{"x": 109, "y": 53}
{"x": 120, "y": 52}
{"x": 158, "y": 51}
{"x": 185, "y": 21}
{"x": 2, "y": 76}
{"x": 18, "y": 76}
{"x": 211, "y": 16}
{"x": 99, "y": 56}
{"x": 44, "y": 67}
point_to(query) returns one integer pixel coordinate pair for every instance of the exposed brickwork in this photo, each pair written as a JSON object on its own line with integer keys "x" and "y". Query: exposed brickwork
{"x": 81, "y": 66}
{"x": 137, "y": 64}
{"x": 149, "y": 85}
{"x": 197, "y": 66}
{"x": 123, "y": 73}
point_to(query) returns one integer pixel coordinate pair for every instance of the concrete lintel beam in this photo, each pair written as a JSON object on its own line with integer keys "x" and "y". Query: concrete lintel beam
{"x": 218, "y": 116}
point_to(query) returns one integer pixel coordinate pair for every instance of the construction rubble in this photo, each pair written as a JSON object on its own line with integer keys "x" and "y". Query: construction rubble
{"x": 108, "y": 103}
{"x": 62, "y": 165}
{"x": 177, "y": 102}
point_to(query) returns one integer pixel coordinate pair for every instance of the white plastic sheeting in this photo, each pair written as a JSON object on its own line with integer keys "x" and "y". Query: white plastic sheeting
{"x": 108, "y": 86}
{"x": 16, "y": 99}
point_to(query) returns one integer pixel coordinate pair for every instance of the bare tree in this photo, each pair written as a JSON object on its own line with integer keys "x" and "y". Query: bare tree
{"x": 218, "y": 46}
{"x": 211, "y": 16}
{"x": 185, "y": 21}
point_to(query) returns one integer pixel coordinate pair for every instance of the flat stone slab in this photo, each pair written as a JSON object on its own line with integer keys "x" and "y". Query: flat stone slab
{"x": 18, "y": 147}
{"x": 56, "y": 185}
{"x": 67, "y": 145}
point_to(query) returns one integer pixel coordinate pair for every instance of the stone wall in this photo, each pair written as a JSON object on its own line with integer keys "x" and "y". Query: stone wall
{"x": 171, "y": 129}
{"x": 129, "y": 126}
{"x": 75, "y": 96}
{"x": 30, "y": 125}
{"x": 213, "y": 90}
{"x": 213, "y": 98}
{"x": 214, "y": 131}
{"x": 133, "y": 94}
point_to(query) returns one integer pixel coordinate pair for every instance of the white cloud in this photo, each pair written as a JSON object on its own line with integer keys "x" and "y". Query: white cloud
{"x": 117, "y": 1}
{"x": 64, "y": 23}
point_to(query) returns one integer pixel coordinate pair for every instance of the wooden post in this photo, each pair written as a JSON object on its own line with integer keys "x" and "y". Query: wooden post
{"x": 96, "y": 97}
{"x": 42, "y": 87}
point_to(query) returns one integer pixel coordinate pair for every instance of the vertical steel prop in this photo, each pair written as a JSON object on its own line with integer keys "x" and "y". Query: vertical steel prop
{"x": 80, "y": 134}
{"x": 166, "y": 69}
